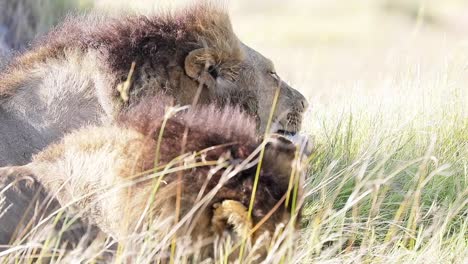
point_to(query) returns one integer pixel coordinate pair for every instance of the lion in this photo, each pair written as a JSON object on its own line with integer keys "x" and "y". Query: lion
{"x": 126, "y": 176}
{"x": 4, "y": 54}
{"x": 91, "y": 68}
{"x": 24, "y": 204}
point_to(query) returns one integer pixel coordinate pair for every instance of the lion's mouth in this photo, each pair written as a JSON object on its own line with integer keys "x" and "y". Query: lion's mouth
{"x": 302, "y": 141}
{"x": 286, "y": 132}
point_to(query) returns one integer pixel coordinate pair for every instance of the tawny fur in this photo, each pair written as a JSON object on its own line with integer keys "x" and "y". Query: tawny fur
{"x": 105, "y": 172}
{"x": 69, "y": 78}
{"x": 29, "y": 213}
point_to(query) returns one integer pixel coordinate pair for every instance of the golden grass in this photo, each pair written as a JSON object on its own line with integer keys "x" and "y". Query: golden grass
{"x": 388, "y": 181}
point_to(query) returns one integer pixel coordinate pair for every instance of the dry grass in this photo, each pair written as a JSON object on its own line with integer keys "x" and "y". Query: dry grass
{"x": 389, "y": 179}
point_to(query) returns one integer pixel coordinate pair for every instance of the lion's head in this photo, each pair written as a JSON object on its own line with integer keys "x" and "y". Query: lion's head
{"x": 196, "y": 50}
{"x": 215, "y": 162}
{"x": 246, "y": 78}
{"x": 189, "y": 51}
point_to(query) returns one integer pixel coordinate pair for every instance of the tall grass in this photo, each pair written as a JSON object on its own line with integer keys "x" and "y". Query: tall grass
{"x": 389, "y": 187}
{"x": 384, "y": 186}
{"x": 388, "y": 180}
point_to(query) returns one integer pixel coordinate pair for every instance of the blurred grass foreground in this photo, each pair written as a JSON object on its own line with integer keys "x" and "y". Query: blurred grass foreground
{"x": 387, "y": 82}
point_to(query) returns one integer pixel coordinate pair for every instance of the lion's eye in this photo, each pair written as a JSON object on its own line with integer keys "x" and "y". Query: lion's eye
{"x": 274, "y": 75}
{"x": 213, "y": 71}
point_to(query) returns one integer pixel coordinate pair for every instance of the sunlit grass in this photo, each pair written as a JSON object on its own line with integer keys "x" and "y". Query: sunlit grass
{"x": 388, "y": 180}
{"x": 387, "y": 186}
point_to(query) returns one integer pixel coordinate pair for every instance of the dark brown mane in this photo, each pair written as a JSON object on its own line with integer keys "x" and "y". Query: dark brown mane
{"x": 208, "y": 126}
{"x": 161, "y": 39}
{"x": 123, "y": 41}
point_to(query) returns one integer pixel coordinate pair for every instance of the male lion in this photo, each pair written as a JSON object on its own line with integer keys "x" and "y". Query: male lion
{"x": 129, "y": 176}
{"x": 90, "y": 68}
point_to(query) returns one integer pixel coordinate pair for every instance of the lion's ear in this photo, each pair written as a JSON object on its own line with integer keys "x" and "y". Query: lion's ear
{"x": 200, "y": 65}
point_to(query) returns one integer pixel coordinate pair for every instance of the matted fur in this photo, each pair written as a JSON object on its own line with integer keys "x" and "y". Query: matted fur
{"x": 69, "y": 78}
{"x": 163, "y": 39}
{"x": 105, "y": 172}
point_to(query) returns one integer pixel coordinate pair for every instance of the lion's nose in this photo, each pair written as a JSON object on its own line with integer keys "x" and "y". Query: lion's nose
{"x": 301, "y": 101}
{"x": 302, "y": 104}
